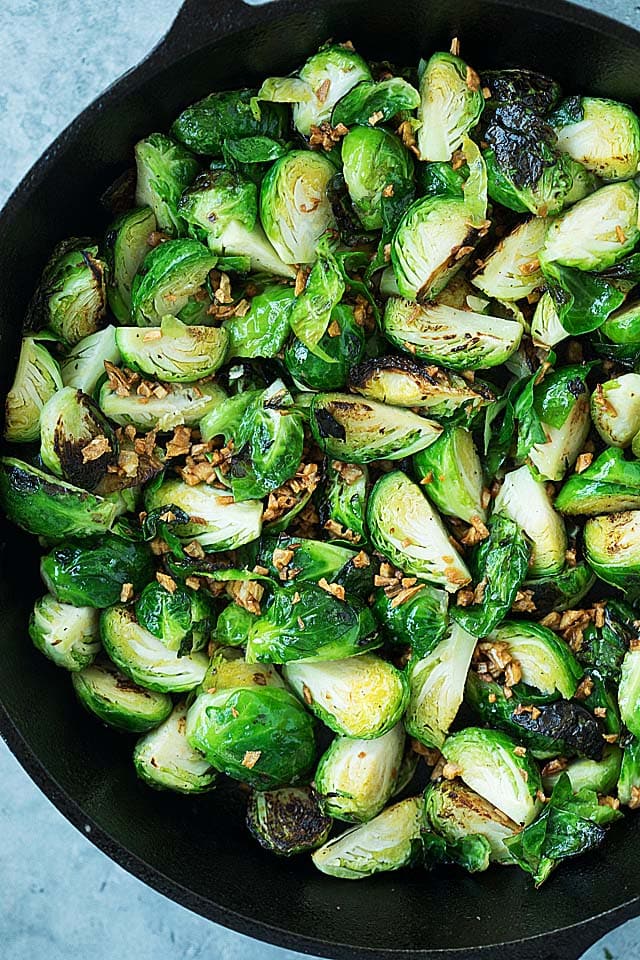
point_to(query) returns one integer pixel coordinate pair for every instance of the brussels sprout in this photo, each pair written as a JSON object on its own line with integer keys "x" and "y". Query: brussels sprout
{"x": 546, "y": 328}
{"x": 599, "y": 775}
{"x": 603, "y": 135}
{"x": 294, "y": 205}
{"x": 83, "y": 367}
{"x": 612, "y": 549}
{"x": 358, "y": 431}
{"x": 165, "y": 761}
{"x": 629, "y": 781}
{"x": 533, "y": 90}
{"x": 182, "y": 619}
{"x": 264, "y": 329}
{"x": 355, "y": 779}
{"x": 176, "y": 353}
{"x": 67, "y": 635}
{"x": 228, "y": 115}
{"x": 545, "y": 660}
{"x": 71, "y": 298}
{"x": 215, "y": 523}
{"x": 36, "y": 380}
{"x": 460, "y": 339}
{"x": 370, "y": 103}
{"x": 490, "y": 763}
{"x": 560, "y": 412}
{"x": 451, "y": 102}
{"x": 116, "y": 700}
{"x": 344, "y": 501}
{"x": 456, "y": 812}
{"x": 343, "y": 343}
{"x": 615, "y": 409}
{"x": 407, "y": 530}
{"x": 596, "y": 232}
{"x": 526, "y": 501}
{"x": 388, "y": 842}
{"x": 258, "y": 735}
{"x": 287, "y": 821}
{"x": 127, "y": 244}
{"x": 629, "y": 691}
{"x": 171, "y": 278}
{"x": 89, "y": 573}
{"x": 297, "y": 558}
{"x": 451, "y": 474}
{"x": 163, "y": 169}
{"x": 512, "y": 269}
{"x": 373, "y": 159}
{"x": 361, "y": 697}
{"x": 405, "y": 382}
{"x": 623, "y": 326}
{"x": 177, "y": 404}
{"x": 47, "y": 506}
{"x": 608, "y": 485}
{"x": 560, "y": 591}
{"x": 144, "y": 658}
{"x": 436, "y": 687}
{"x": 419, "y": 622}
{"x": 603, "y": 647}
{"x": 229, "y": 670}
{"x": 330, "y": 74}
{"x": 76, "y": 440}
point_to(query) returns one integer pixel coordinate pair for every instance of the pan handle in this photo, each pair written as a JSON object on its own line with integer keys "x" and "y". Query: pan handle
{"x": 200, "y": 21}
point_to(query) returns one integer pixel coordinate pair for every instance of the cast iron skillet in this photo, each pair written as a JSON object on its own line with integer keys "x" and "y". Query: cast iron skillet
{"x": 197, "y": 851}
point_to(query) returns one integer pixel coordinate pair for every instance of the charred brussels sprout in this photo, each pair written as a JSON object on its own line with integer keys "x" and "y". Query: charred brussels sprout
{"x": 36, "y": 380}
{"x": 261, "y": 736}
{"x": 127, "y": 243}
{"x": 76, "y": 440}
{"x": 71, "y": 298}
{"x": 344, "y": 501}
{"x": 629, "y": 691}
{"x": 92, "y": 574}
{"x": 612, "y": 549}
{"x": 527, "y": 87}
{"x": 407, "y": 530}
{"x": 629, "y": 780}
{"x": 490, "y": 763}
{"x": 603, "y": 135}
{"x": 264, "y": 329}
{"x": 171, "y": 279}
{"x": 164, "y": 759}
{"x": 83, "y": 367}
{"x": 175, "y": 405}
{"x": 419, "y": 621}
{"x": 455, "y": 338}
{"x": 388, "y": 842}
{"x": 179, "y": 354}
{"x": 294, "y": 206}
{"x": 610, "y": 484}
{"x": 67, "y": 635}
{"x": 546, "y": 661}
{"x": 525, "y": 500}
{"x": 599, "y": 775}
{"x": 361, "y": 697}
{"x": 372, "y": 160}
{"x": 182, "y": 619}
{"x": 111, "y": 695}
{"x": 512, "y": 269}
{"x": 343, "y": 343}
{"x": 451, "y": 102}
{"x": 228, "y": 115}
{"x": 615, "y": 409}
{"x": 329, "y": 74}
{"x": 358, "y": 431}
{"x": 456, "y": 812}
{"x": 451, "y": 475}
{"x": 164, "y": 169}
{"x": 287, "y": 821}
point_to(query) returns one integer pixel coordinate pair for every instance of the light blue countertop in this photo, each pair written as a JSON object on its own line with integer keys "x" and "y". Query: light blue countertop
{"x": 62, "y": 899}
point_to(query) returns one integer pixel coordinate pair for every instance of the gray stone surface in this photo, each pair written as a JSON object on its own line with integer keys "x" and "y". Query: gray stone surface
{"x": 61, "y": 898}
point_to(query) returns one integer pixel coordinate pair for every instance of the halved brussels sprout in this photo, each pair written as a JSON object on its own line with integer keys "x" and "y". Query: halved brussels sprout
{"x": 615, "y": 409}
{"x": 546, "y": 328}
{"x": 526, "y": 501}
{"x": 294, "y": 205}
{"x": 163, "y": 169}
{"x": 228, "y": 115}
{"x": 599, "y": 775}
{"x": 344, "y": 500}
{"x": 460, "y": 339}
{"x": 36, "y": 380}
{"x": 546, "y": 661}
{"x": 629, "y": 691}
{"x": 67, "y": 635}
{"x": 330, "y": 74}
{"x": 451, "y": 102}
{"x": 303, "y": 559}
{"x": 561, "y": 402}
{"x": 603, "y": 135}
{"x": 419, "y": 622}
{"x": 436, "y": 687}
{"x": 608, "y": 485}
{"x": 47, "y": 506}
{"x": 287, "y": 821}
{"x": 171, "y": 278}
{"x": 373, "y": 160}
{"x": 344, "y": 346}
{"x": 455, "y": 811}
{"x": 361, "y": 697}
{"x": 561, "y": 591}
{"x": 358, "y": 431}
{"x": 165, "y": 761}
{"x": 450, "y": 473}
{"x": 264, "y": 329}
{"x": 407, "y": 530}
{"x": 127, "y": 244}
{"x": 71, "y": 298}
{"x": 229, "y": 670}
{"x": 144, "y": 658}
{"x": 355, "y": 779}
{"x": 215, "y": 523}
{"x": 512, "y": 269}
{"x": 404, "y": 382}
{"x": 629, "y": 781}
{"x": 77, "y": 442}
{"x": 612, "y": 549}
{"x": 174, "y": 353}
{"x": 172, "y": 406}
{"x": 115, "y": 699}
{"x": 597, "y": 231}
{"x": 83, "y": 367}
{"x": 92, "y": 573}
{"x": 258, "y": 735}
{"x": 388, "y": 842}
{"x": 182, "y": 619}
{"x": 491, "y": 764}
